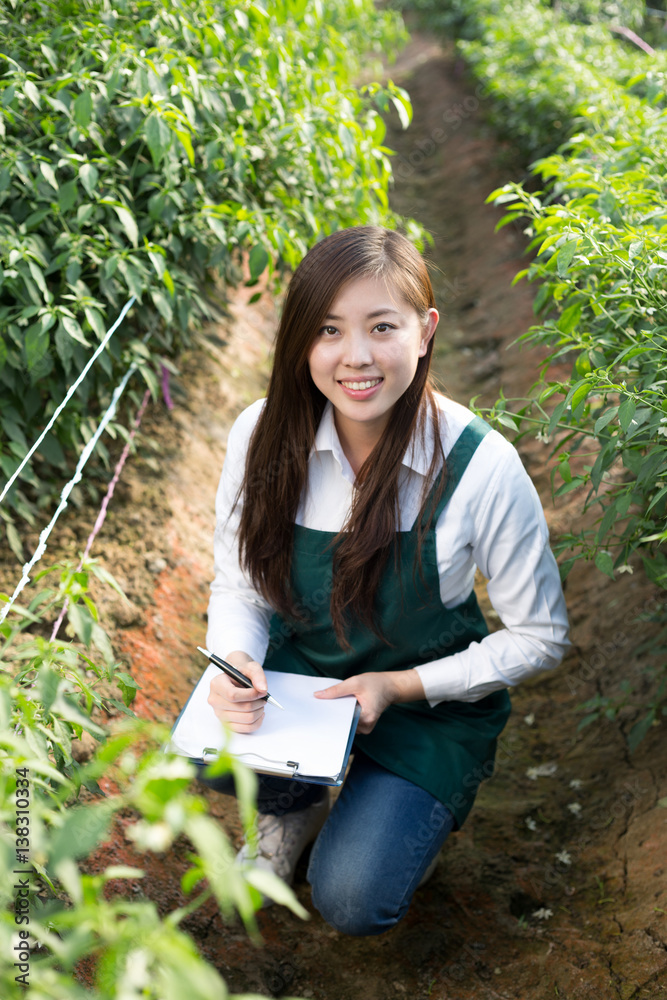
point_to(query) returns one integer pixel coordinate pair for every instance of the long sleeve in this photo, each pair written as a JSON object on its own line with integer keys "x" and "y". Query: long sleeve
{"x": 499, "y": 510}
{"x": 238, "y": 617}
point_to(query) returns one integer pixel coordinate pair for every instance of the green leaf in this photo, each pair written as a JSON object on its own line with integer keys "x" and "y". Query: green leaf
{"x": 74, "y": 330}
{"x": 554, "y": 419}
{"x": 656, "y": 499}
{"x": 401, "y": 101}
{"x": 580, "y": 394}
{"x": 127, "y": 685}
{"x": 605, "y": 564}
{"x": 158, "y": 137}
{"x": 50, "y": 55}
{"x": 606, "y": 417}
{"x": 626, "y": 412}
{"x": 268, "y": 883}
{"x": 218, "y": 228}
{"x": 129, "y": 223}
{"x": 31, "y": 92}
{"x": 84, "y": 827}
{"x": 186, "y": 142}
{"x": 570, "y": 318}
{"x": 89, "y": 176}
{"x": 655, "y": 568}
{"x": 565, "y": 255}
{"x": 507, "y": 420}
{"x": 67, "y": 195}
{"x": 14, "y": 541}
{"x": 47, "y": 685}
{"x": 169, "y": 282}
{"x": 583, "y": 363}
{"x": 48, "y": 174}
{"x": 543, "y": 296}
{"x": 83, "y": 109}
{"x": 82, "y": 623}
{"x": 257, "y": 262}
{"x": 162, "y": 304}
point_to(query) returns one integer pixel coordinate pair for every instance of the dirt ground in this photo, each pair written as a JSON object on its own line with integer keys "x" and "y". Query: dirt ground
{"x": 555, "y": 887}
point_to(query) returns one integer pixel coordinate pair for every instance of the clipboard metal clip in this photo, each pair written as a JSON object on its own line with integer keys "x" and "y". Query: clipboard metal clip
{"x": 294, "y": 765}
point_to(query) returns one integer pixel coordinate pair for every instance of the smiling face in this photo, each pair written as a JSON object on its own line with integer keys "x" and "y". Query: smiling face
{"x": 365, "y": 356}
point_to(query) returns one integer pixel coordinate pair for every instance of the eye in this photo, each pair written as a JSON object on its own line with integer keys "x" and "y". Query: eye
{"x": 384, "y": 327}
{"x": 328, "y": 331}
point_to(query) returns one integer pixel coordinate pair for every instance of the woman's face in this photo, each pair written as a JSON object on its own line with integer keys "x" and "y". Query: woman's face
{"x": 365, "y": 356}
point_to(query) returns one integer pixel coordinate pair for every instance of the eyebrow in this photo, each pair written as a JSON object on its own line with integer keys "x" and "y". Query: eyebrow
{"x": 371, "y": 315}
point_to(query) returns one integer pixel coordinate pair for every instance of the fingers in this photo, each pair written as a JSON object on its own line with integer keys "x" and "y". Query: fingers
{"x": 254, "y": 672}
{"x": 369, "y": 690}
{"x": 245, "y": 722}
{"x": 335, "y": 691}
{"x": 240, "y": 707}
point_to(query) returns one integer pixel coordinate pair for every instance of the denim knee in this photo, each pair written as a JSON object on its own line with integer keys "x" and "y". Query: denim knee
{"x": 355, "y": 909}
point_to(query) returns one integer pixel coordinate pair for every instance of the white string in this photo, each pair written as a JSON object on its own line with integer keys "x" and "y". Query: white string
{"x": 67, "y": 489}
{"x": 67, "y": 398}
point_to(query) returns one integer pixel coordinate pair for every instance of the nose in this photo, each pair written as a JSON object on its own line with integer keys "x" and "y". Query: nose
{"x": 357, "y": 350}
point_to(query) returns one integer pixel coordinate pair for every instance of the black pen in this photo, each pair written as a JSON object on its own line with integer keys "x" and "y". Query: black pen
{"x": 236, "y": 675}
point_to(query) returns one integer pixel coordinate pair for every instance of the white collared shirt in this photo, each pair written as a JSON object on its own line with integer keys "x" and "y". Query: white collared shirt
{"x": 493, "y": 521}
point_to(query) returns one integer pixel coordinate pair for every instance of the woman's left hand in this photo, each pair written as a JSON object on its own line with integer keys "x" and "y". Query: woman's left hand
{"x": 375, "y": 692}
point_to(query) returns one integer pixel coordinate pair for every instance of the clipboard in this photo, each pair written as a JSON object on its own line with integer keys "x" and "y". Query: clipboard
{"x": 310, "y": 741}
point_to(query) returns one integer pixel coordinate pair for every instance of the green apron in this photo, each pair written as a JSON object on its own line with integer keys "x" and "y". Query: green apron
{"x": 449, "y": 749}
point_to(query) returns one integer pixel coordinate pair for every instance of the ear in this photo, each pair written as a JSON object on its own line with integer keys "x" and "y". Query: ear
{"x": 428, "y": 330}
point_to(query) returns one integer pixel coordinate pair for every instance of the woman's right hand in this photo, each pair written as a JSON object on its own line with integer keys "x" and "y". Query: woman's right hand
{"x": 240, "y": 707}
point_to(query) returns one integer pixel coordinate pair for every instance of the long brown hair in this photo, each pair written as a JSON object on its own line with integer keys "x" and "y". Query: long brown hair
{"x": 276, "y": 469}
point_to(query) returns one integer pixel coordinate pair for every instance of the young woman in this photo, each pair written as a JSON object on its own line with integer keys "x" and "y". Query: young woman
{"x": 354, "y": 505}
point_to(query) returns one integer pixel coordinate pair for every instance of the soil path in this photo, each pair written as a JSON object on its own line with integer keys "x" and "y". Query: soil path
{"x": 555, "y": 886}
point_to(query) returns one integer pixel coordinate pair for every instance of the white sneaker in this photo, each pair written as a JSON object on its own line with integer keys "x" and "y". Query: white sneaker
{"x": 281, "y": 840}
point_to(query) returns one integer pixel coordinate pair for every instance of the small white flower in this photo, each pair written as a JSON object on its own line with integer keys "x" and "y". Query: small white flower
{"x": 543, "y": 914}
{"x": 542, "y": 771}
{"x": 529, "y": 719}
{"x": 531, "y": 824}
{"x": 663, "y": 431}
{"x": 574, "y": 808}
{"x": 543, "y": 437}
{"x": 576, "y": 783}
{"x": 625, "y": 568}
{"x": 564, "y": 857}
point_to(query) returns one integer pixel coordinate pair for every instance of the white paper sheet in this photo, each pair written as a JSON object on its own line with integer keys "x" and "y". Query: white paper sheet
{"x": 311, "y": 732}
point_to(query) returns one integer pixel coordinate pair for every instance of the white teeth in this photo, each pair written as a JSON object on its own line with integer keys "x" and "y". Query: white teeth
{"x": 361, "y": 385}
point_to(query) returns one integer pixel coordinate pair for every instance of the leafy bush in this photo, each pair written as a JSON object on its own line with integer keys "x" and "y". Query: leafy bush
{"x": 54, "y": 815}
{"x": 598, "y": 228}
{"x": 145, "y": 146}
{"x": 546, "y": 75}
{"x": 602, "y": 265}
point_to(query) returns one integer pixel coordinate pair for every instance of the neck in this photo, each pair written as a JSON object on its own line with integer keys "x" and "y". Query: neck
{"x": 358, "y": 440}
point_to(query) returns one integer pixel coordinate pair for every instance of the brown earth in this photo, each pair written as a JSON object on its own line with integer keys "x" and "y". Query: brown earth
{"x": 473, "y": 931}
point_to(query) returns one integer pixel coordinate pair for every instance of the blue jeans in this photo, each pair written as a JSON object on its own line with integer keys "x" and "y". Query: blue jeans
{"x": 381, "y": 836}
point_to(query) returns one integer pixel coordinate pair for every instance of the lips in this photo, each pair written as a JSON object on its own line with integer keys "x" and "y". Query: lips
{"x": 361, "y": 388}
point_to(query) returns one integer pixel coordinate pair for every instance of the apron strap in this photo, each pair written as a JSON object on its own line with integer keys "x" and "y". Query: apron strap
{"x": 456, "y": 464}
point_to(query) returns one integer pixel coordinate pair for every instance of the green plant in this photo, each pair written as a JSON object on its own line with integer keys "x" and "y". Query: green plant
{"x": 149, "y": 147}
{"x": 597, "y": 230}
{"x": 54, "y": 815}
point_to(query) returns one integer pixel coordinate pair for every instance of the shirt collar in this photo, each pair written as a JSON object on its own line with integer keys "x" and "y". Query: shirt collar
{"x": 416, "y": 457}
